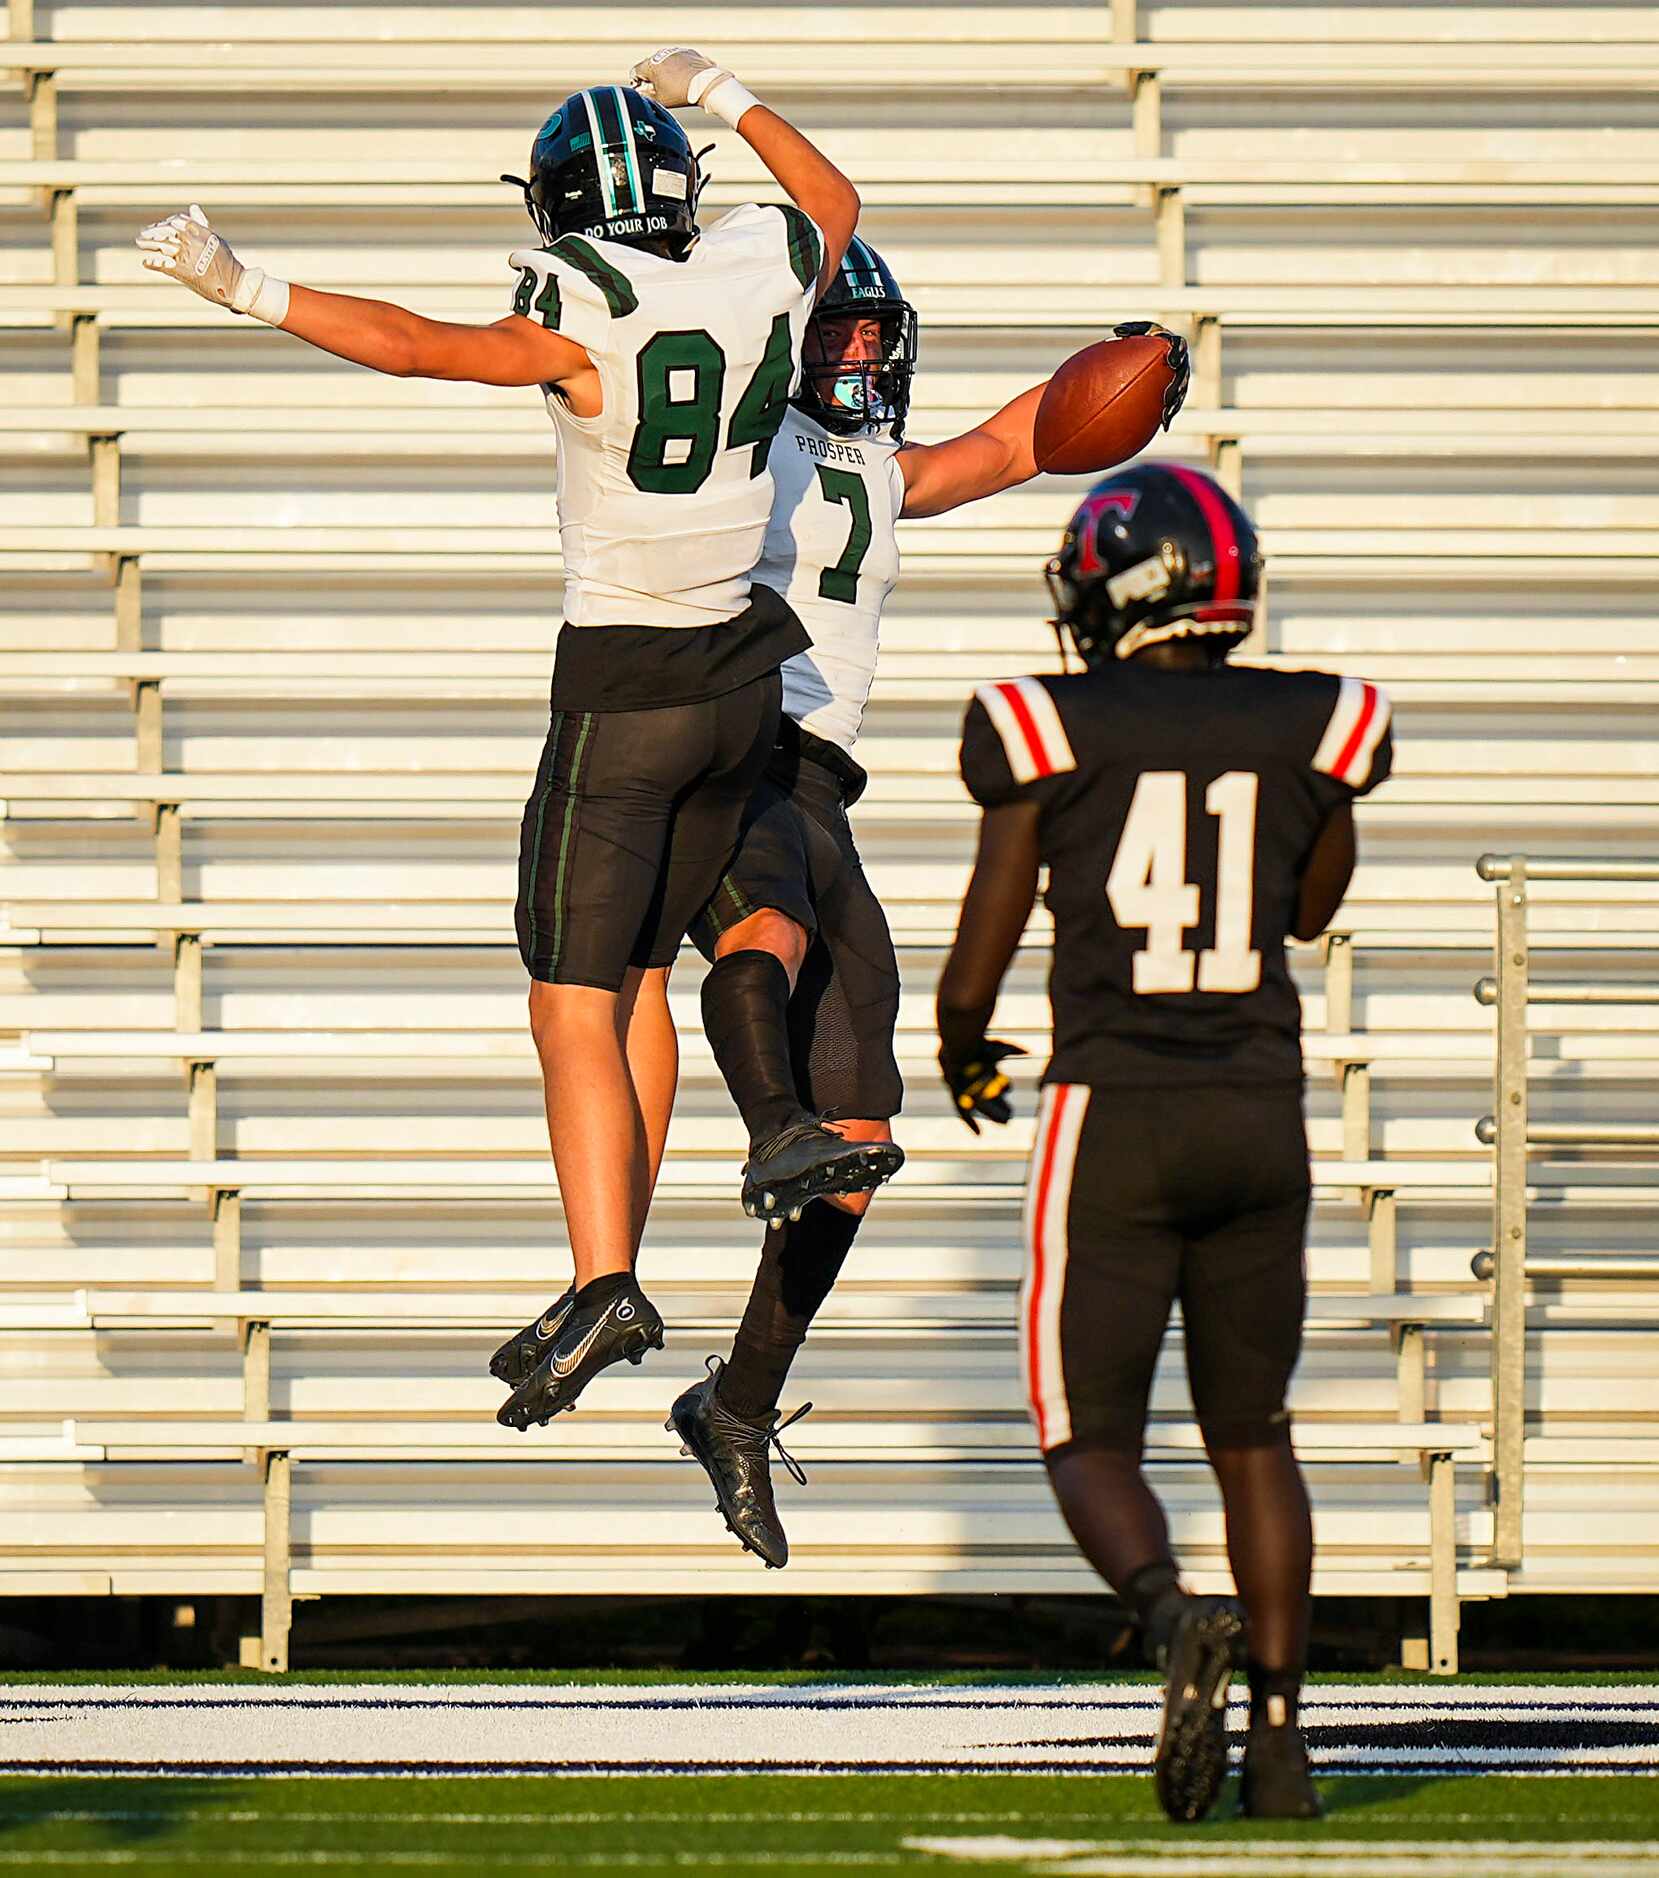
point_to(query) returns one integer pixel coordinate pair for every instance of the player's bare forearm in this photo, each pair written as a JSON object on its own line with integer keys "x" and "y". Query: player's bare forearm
{"x": 809, "y": 179}
{"x": 998, "y": 454}
{"x": 391, "y": 339}
{"x": 1326, "y": 876}
{"x": 995, "y": 908}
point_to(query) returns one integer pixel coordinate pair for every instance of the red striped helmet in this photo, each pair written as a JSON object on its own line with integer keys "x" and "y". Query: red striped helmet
{"x": 1154, "y": 552}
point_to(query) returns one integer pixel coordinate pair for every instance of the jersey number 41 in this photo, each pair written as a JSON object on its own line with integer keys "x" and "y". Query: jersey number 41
{"x": 1148, "y": 884}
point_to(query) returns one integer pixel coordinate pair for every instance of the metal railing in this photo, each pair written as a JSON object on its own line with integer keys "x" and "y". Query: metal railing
{"x": 1510, "y": 990}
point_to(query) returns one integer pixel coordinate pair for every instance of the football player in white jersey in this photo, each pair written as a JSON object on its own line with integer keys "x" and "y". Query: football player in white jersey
{"x": 666, "y": 355}
{"x": 802, "y": 998}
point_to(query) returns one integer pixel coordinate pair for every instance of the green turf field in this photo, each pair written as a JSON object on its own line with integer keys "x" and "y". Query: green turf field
{"x": 1482, "y": 1824}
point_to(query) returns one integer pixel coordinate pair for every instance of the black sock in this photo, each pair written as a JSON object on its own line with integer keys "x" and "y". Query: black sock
{"x": 1269, "y": 1689}
{"x": 1155, "y": 1596}
{"x": 798, "y": 1265}
{"x": 598, "y": 1292}
{"x": 746, "y": 1018}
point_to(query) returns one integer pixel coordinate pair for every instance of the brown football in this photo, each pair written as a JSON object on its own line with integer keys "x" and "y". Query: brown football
{"x": 1103, "y": 405}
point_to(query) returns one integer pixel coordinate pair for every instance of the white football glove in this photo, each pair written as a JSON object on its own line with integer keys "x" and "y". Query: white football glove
{"x": 677, "y": 75}
{"x": 185, "y": 248}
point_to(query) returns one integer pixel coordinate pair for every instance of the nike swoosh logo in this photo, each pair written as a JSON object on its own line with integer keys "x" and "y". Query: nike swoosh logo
{"x": 563, "y": 1364}
{"x": 552, "y": 1324}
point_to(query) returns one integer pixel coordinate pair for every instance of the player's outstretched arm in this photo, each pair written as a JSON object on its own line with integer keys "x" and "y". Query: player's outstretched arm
{"x": 1001, "y": 452}
{"x": 1325, "y": 878}
{"x": 678, "y": 76}
{"x": 387, "y": 338}
{"x": 514, "y": 351}
{"x": 994, "y": 455}
{"x": 994, "y": 912}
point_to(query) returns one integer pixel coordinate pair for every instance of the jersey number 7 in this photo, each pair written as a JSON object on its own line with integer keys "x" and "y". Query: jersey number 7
{"x": 1148, "y": 884}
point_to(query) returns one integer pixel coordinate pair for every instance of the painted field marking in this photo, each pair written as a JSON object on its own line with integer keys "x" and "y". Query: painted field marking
{"x": 1071, "y": 1858}
{"x": 426, "y": 1731}
{"x": 1336, "y": 1858}
{"x": 249, "y": 1816}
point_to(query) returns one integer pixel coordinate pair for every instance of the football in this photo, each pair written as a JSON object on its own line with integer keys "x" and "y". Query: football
{"x": 1103, "y": 405}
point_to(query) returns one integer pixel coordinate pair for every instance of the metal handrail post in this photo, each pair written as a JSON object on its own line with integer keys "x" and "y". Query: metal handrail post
{"x": 1510, "y": 1219}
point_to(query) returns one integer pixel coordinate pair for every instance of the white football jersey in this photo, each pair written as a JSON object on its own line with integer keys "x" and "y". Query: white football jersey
{"x": 832, "y": 551}
{"x": 664, "y": 496}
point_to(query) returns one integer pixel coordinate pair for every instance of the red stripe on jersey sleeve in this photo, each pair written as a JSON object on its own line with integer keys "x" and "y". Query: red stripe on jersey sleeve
{"x": 1015, "y": 700}
{"x": 1351, "y": 749}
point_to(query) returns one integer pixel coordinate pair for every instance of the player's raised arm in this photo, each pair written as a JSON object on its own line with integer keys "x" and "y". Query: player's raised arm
{"x": 678, "y": 76}
{"x": 375, "y": 333}
{"x": 1002, "y": 451}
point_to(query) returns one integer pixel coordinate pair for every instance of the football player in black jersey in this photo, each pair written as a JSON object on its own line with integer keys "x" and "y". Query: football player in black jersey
{"x": 1192, "y": 814}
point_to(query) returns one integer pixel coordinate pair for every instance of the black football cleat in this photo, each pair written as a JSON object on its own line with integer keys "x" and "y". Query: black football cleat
{"x": 735, "y": 1455}
{"x": 520, "y": 1354}
{"x": 593, "y": 1338}
{"x": 1278, "y": 1783}
{"x": 806, "y": 1161}
{"x": 1191, "y": 1759}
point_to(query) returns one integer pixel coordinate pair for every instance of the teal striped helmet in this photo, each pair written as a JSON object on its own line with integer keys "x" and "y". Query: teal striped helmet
{"x": 849, "y": 395}
{"x": 612, "y": 162}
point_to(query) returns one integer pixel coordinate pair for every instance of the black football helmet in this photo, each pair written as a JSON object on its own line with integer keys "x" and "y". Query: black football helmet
{"x": 612, "y": 162}
{"x": 872, "y": 394}
{"x": 1158, "y": 551}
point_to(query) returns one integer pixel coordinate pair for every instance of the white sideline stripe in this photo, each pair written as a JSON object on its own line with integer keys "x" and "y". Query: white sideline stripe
{"x": 1402, "y": 1857}
{"x": 679, "y": 1729}
{"x": 994, "y": 1848}
{"x": 1147, "y": 1861}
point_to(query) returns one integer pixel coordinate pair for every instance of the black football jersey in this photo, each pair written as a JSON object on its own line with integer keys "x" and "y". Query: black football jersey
{"x": 1177, "y": 813}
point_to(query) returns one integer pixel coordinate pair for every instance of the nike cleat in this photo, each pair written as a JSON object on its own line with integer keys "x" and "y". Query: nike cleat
{"x": 1278, "y": 1783}
{"x": 735, "y": 1455}
{"x": 1191, "y": 1759}
{"x": 593, "y": 1338}
{"x": 520, "y": 1354}
{"x": 807, "y": 1161}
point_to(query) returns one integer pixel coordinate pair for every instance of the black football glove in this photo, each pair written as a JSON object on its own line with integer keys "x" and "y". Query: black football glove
{"x": 978, "y": 1087}
{"x": 1178, "y": 358}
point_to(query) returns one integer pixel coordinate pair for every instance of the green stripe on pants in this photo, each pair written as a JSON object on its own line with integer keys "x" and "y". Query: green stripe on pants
{"x": 541, "y": 816}
{"x": 559, "y": 878}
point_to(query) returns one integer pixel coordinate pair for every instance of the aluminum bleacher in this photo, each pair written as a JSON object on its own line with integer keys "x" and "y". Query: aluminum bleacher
{"x": 274, "y": 644}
